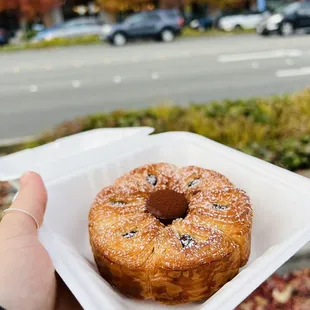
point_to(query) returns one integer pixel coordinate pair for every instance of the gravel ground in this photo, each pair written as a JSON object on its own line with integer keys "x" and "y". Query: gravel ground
{"x": 290, "y": 292}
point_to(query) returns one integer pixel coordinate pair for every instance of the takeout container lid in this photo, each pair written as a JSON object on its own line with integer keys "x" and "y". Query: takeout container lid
{"x": 67, "y": 150}
{"x": 281, "y": 202}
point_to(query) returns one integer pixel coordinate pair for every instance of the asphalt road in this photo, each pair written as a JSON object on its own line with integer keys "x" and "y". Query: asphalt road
{"x": 39, "y": 89}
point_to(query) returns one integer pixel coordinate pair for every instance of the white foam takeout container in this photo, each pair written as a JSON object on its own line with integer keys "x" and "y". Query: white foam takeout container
{"x": 281, "y": 202}
{"x": 12, "y": 166}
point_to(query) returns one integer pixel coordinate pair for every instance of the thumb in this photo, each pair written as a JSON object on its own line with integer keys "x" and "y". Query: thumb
{"x": 32, "y": 198}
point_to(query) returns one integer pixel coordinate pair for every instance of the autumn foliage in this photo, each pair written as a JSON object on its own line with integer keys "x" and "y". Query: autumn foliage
{"x": 29, "y": 8}
{"x": 122, "y": 5}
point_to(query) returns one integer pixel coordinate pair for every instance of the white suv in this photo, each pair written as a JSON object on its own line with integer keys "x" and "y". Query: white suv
{"x": 241, "y": 21}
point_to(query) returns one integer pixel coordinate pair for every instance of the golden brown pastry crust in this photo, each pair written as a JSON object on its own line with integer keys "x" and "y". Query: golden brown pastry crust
{"x": 136, "y": 180}
{"x": 192, "y": 180}
{"x": 145, "y": 259}
{"x": 235, "y": 220}
{"x": 191, "y": 274}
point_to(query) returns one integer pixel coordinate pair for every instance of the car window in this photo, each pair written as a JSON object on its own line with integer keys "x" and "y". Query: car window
{"x": 289, "y": 9}
{"x": 152, "y": 17}
{"x": 252, "y": 13}
{"x": 133, "y": 19}
{"x": 304, "y": 9}
{"x": 80, "y": 22}
{"x": 172, "y": 14}
{"x": 74, "y": 23}
{"x": 91, "y": 22}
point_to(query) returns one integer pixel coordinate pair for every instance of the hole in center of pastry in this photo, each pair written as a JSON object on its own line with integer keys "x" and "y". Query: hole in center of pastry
{"x": 218, "y": 206}
{"x": 167, "y": 205}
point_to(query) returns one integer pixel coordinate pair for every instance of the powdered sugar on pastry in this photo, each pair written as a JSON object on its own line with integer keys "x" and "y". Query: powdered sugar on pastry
{"x": 145, "y": 253}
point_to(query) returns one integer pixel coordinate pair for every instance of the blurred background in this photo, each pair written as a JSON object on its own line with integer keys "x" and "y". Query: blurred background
{"x": 236, "y": 71}
{"x": 62, "y": 59}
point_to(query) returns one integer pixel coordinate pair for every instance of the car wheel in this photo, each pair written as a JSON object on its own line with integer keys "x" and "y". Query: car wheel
{"x": 238, "y": 27}
{"x": 287, "y": 29}
{"x": 119, "y": 39}
{"x": 265, "y": 33}
{"x": 167, "y": 35}
{"x": 262, "y": 32}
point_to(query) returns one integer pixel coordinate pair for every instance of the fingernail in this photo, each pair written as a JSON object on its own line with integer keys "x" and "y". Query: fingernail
{"x": 25, "y": 177}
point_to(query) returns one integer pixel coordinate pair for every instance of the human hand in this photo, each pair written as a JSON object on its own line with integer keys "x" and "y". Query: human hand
{"x": 27, "y": 275}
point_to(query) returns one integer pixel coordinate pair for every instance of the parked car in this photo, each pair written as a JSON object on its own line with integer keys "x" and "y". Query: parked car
{"x": 37, "y": 27}
{"x": 76, "y": 27}
{"x": 223, "y": 14}
{"x": 202, "y": 23}
{"x": 241, "y": 21}
{"x": 4, "y": 36}
{"x": 164, "y": 25}
{"x": 287, "y": 20}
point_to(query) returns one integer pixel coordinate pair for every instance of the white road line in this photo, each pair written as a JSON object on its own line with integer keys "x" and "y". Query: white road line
{"x": 107, "y": 61}
{"x": 76, "y": 83}
{"x": 155, "y": 76}
{"x": 293, "y": 72}
{"x": 77, "y": 65}
{"x": 162, "y": 57}
{"x": 255, "y": 65}
{"x": 289, "y": 62}
{"x": 186, "y": 54}
{"x": 33, "y": 88}
{"x": 117, "y": 79}
{"x": 259, "y": 55}
{"x": 135, "y": 59}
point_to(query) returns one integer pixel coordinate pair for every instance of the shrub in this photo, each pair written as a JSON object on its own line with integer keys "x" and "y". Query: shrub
{"x": 59, "y": 42}
{"x": 276, "y": 129}
{"x": 189, "y": 32}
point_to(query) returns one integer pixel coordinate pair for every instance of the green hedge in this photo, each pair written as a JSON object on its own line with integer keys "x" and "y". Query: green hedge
{"x": 60, "y": 42}
{"x": 276, "y": 129}
{"x": 188, "y": 32}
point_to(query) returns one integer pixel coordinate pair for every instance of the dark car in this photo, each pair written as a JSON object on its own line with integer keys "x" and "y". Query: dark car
{"x": 287, "y": 20}
{"x": 163, "y": 25}
{"x": 4, "y": 36}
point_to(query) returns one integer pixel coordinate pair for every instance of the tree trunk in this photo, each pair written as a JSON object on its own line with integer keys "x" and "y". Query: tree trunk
{"x": 156, "y": 3}
{"x": 107, "y": 17}
{"x": 52, "y": 17}
{"x": 21, "y": 33}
